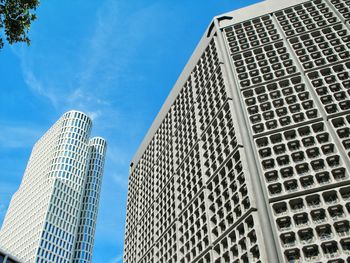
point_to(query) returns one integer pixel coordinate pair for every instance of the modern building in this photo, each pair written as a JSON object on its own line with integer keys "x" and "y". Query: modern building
{"x": 248, "y": 159}
{"x": 52, "y": 216}
{"x": 7, "y": 258}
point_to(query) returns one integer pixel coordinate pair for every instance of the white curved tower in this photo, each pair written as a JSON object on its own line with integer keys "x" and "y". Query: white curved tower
{"x": 48, "y": 213}
{"x": 88, "y": 215}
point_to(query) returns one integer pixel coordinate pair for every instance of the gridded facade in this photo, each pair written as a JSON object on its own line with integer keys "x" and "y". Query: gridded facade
{"x": 248, "y": 159}
{"x": 7, "y": 258}
{"x": 88, "y": 212}
{"x": 52, "y": 216}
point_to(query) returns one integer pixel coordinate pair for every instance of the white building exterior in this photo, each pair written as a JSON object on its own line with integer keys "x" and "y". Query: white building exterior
{"x": 52, "y": 216}
{"x": 248, "y": 160}
{"x": 7, "y": 258}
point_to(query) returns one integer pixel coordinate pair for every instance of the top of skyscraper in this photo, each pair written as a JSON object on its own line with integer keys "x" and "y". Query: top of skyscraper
{"x": 222, "y": 20}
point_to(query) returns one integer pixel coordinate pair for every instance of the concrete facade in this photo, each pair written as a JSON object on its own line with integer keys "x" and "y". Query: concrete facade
{"x": 52, "y": 216}
{"x": 7, "y": 258}
{"x": 248, "y": 160}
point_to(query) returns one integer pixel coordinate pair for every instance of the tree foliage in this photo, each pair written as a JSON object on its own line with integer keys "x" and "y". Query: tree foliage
{"x": 15, "y": 19}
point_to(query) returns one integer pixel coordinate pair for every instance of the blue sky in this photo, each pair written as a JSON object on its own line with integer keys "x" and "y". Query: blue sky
{"x": 116, "y": 61}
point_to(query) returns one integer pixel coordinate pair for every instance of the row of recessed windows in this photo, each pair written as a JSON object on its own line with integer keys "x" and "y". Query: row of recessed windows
{"x": 95, "y": 167}
{"x": 69, "y": 226}
{"x": 66, "y": 221}
{"x": 52, "y": 247}
{"x": 80, "y": 142}
{"x": 87, "y": 226}
{"x": 89, "y": 206}
{"x": 72, "y": 129}
{"x": 92, "y": 194}
{"x": 65, "y": 160}
{"x": 83, "y": 256}
{"x": 71, "y": 141}
{"x": 84, "y": 246}
{"x": 68, "y": 191}
{"x": 88, "y": 223}
{"x": 97, "y": 160}
{"x": 76, "y": 123}
{"x": 75, "y": 156}
{"x": 76, "y": 114}
{"x": 98, "y": 141}
{"x": 93, "y": 177}
{"x": 58, "y": 255}
{"x": 70, "y": 135}
{"x": 71, "y": 197}
{"x": 57, "y": 235}
{"x": 91, "y": 186}
{"x": 63, "y": 210}
{"x": 89, "y": 199}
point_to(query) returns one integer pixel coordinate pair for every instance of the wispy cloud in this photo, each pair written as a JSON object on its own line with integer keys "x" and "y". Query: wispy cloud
{"x": 96, "y": 79}
{"x": 18, "y": 136}
{"x": 99, "y": 45}
{"x": 117, "y": 259}
{"x": 2, "y": 209}
{"x": 35, "y": 84}
{"x": 6, "y": 188}
{"x": 121, "y": 180}
{"x": 61, "y": 98}
{"x": 66, "y": 89}
{"x": 116, "y": 156}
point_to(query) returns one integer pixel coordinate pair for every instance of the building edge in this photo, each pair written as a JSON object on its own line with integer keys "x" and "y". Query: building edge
{"x": 236, "y": 16}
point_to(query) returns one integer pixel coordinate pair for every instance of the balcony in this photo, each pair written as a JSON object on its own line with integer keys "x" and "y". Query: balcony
{"x": 311, "y": 253}
{"x": 293, "y": 256}
{"x": 288, "y": 239}
{"x": 330, "y": 249}
{"x": 284, "y": 223}
{"x": 324, "y": 232}
{"x": 301, "y": 220}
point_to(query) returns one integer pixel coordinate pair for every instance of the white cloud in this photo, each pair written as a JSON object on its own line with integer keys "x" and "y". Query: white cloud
{"x": 94, "y": 114}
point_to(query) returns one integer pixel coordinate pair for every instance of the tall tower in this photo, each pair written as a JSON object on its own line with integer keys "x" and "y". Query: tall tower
{"x": 52, "y": 216}
{"x": 248, "y": 159}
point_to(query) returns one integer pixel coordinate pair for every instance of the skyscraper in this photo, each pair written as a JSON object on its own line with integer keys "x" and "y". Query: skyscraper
{"x": 52, "y": 216}
{"x": 248, "y": 159}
